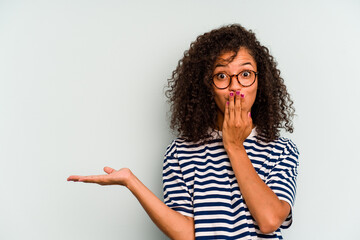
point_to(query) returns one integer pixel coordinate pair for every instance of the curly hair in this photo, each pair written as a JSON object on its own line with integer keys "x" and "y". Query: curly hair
{"x": 191, "y": 94}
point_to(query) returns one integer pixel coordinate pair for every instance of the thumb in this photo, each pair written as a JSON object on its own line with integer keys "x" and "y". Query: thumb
{"x": 109, "y": 170}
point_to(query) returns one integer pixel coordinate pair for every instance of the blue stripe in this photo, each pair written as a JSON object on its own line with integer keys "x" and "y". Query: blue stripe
{"x": 222, "y": 220}
{"x": 242, "y": 235}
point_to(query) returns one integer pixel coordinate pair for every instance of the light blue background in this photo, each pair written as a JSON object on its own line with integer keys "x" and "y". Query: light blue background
{"x": 82, "y": 87}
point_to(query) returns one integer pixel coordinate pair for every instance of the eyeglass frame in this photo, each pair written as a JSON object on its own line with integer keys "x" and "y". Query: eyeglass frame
{"x": 237, "y": 78}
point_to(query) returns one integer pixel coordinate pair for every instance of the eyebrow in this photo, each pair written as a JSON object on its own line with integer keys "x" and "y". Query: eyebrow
{"x": 222, "y": 65}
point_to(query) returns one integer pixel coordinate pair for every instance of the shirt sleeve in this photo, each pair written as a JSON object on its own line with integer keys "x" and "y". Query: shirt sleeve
{"x": 176, "y": 192}
{"x": 282, "y": 178}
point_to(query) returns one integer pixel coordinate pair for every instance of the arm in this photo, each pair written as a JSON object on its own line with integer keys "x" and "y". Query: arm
{"x": 264, "y": 205}
{"x": 268, "y": 211}
{"x": 173, "y": 224}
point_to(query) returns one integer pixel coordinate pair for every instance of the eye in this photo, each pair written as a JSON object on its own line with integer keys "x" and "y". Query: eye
{"x": 246, "y": 74}
{"x": 221, "y": 76}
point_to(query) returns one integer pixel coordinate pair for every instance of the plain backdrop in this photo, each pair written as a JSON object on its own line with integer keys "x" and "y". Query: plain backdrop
{"x": 82, "y": 87}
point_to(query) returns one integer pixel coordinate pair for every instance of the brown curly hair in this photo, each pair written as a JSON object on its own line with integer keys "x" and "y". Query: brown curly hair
{"x": 191, "y": 94}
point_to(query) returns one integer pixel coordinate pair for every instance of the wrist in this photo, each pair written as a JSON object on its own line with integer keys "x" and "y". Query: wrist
{"x": 126, "y": 177}
{"x": 131, "y": 181}
{"x": 233, "y": 149}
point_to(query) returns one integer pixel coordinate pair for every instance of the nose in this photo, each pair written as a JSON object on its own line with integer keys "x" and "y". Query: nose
{"x": 234, "y": 84}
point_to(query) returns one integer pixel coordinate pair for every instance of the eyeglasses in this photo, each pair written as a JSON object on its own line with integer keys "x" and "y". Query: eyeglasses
{"x": 223, "y": 80}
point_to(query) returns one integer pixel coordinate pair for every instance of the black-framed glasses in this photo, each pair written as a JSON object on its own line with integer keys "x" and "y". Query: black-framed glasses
{"x": 246, "y": 78}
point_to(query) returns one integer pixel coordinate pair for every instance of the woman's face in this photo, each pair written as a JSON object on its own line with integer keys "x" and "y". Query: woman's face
{"x": 242, "y": 61}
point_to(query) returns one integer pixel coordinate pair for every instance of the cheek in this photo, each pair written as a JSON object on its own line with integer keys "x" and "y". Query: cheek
{"x": 220, "y": 101}
{"x": 250, "y": 99}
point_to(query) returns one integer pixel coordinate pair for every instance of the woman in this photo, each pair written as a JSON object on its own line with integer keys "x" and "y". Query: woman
{"x": 229, "y": 175}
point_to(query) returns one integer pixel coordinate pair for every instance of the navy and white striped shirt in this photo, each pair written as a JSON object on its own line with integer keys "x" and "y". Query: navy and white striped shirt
{"x": 198, "y": 181}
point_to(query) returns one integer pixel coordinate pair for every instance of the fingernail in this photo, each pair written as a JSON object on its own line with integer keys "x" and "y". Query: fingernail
{"x": 249, "y": 114}
{"x": 227, "y": 102}
{"x": 237, "y": 93}
{"x": 231, "y": 94}
{"x": 242, "y": 95}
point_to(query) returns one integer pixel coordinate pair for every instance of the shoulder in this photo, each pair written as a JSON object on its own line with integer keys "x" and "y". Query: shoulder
{"x": 176, "y": 144}
{"x": 288, "y": 146}
{"x": 184, "y": 148}
{"x": 171, "y": 149}
{"x": 289, "y": 154}
{"x": 281, "y": 144}
{"x": 281, "y": 150}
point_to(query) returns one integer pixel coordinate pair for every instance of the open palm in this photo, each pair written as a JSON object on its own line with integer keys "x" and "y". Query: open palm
{"x": 113, "y": 177}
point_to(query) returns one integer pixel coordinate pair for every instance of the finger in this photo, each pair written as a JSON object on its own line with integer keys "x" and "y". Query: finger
{"x": 109, "y": 170}
{"x": 237, "y": 106}
{"x": 99, "y": 179}
{"x": 244, "y": 113}
{"x": 74, "y": 178}
{"x": 231, "y": 106}
{"x": 226, "y": 114}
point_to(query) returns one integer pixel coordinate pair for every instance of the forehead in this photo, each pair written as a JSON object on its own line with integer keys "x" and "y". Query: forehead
{"x": 243, "y": 55}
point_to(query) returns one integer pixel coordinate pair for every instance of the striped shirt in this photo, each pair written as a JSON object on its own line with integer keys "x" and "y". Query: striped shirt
{"x": 198, "y": 181}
